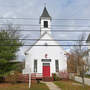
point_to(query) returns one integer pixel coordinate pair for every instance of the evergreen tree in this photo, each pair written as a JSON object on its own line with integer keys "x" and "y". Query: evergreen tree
{"x": 9, "y": 45}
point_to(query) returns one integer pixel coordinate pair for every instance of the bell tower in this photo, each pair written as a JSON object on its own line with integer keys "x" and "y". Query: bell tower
{"x": 45, "y": 22}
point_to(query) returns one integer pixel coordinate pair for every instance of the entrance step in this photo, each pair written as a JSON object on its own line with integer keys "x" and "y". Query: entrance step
{"x": 47, "y": 79}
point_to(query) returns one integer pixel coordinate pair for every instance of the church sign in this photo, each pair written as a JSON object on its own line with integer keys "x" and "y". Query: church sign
{"x": 46, "y": 60}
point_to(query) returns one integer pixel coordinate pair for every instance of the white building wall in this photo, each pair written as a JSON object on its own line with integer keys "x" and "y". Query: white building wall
{"x": 54, "y": 53}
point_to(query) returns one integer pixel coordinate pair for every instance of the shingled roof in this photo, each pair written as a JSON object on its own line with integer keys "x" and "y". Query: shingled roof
{"x": 45, "y": 14}
{"x": 88, "y": 39}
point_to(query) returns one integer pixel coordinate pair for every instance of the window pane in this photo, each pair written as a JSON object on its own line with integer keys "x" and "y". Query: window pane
{"x": 57, "y": 65}
{"x": 35, "y": 65}
{"x": 46, "y": 24}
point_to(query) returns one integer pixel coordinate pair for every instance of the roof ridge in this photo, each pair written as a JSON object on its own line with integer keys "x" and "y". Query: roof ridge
{"x": 35, "y": 42}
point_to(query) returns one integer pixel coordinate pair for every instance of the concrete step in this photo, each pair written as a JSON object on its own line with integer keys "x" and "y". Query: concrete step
{"x": 47, "y": 79}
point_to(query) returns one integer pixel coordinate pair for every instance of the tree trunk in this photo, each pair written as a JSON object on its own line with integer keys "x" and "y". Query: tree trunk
{"x": 83, "y": 82}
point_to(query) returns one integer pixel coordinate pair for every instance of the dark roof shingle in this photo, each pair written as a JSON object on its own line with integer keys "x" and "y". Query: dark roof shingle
{"x": 45, "y": 13}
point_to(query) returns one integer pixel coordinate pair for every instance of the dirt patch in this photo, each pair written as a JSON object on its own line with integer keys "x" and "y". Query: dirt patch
{"x": 5, "y": 84}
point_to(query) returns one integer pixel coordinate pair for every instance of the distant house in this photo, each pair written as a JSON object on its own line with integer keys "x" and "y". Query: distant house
{"x": 42, "y": 58}
{"x": 88, "y": 61}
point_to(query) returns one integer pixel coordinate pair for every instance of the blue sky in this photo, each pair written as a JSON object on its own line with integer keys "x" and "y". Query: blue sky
{"x": 62, "y": 9}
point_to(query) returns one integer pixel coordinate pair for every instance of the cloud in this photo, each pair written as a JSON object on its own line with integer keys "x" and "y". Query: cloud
{"x": 64, "y": 9}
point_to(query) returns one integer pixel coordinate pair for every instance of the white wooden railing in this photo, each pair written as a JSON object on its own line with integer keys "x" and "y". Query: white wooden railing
{"x": 36, "y": 75}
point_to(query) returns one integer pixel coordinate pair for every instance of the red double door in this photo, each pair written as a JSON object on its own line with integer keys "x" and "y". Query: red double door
{"x": 46, "y": 69}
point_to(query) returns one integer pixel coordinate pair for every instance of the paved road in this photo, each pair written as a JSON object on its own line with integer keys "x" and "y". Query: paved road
{"x": 52, "y": 86}
{"x": 79, "y": 79}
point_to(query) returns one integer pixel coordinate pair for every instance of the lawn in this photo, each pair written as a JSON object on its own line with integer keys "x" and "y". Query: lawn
{"x": 70, "y": 85}
{"x": 87, "y": 76}
{"x": 23, "y": 87}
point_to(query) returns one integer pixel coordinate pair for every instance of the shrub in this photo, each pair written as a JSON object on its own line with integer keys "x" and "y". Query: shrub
{"x": 13, "y": 78}
{"x": 87, "y": 76}
{"x": 63, "y": 75}
{"x": 55, "y": 77}
{"x": 2, "y": 79}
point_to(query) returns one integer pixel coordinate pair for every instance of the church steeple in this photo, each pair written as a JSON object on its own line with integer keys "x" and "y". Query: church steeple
{"x": 45, "y": 21}
{"x": 45, "y": 14}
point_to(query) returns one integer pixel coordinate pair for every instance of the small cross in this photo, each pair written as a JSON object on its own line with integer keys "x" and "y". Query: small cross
{"x": 45, "y": 4}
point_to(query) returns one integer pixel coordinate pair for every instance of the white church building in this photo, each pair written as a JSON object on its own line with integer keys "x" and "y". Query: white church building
{"x": 46, "y": 56}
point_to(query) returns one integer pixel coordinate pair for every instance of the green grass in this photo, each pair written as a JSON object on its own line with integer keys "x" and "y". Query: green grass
{"x": 71, "y": 85}
{"x": 23, "y": 87}
{"x": 87, "y": 76}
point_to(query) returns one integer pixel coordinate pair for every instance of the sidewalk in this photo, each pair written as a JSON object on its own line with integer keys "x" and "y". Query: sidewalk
{"x": 52, "y": 86}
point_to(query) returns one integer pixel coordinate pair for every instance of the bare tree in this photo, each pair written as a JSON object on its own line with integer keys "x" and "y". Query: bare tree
{"x": 80, "y": 52}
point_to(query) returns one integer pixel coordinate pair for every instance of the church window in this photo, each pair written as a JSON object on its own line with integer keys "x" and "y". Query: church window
{"x": 57, "y": 65}
{"x": 45, "y": 24}
{"x": 46, "y": 44}
{"x": 35, "y": 65}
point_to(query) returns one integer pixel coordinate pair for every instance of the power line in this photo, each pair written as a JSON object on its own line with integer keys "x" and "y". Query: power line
{"x": 45, "y": 40}
{"x": 20, "y": 18}
{"x": 71, "y": 19}
{"x": 52, "y": 19}
{"x": 52, "y": 30}
{"x": 45, "y": 45}
{"x": 49, "y": 25}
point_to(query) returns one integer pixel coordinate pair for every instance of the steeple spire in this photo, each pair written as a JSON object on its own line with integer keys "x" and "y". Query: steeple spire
{"x": 45, "y": 22}
{"x": 45, "y": 14}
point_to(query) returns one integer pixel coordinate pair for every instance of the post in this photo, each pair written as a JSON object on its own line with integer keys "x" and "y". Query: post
{"x": 29, "y": 78}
